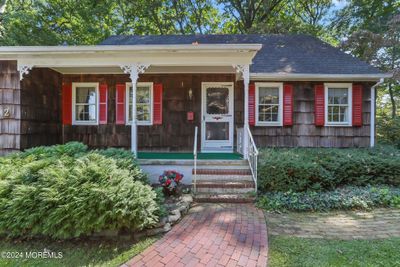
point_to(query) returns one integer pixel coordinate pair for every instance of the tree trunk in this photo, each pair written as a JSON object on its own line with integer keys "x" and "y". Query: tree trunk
{"x": 392, "y": 100}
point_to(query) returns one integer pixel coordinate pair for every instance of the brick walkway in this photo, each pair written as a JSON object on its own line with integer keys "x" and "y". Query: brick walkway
{"x": 211, "y": 235}
{"x": 379, "y": 223}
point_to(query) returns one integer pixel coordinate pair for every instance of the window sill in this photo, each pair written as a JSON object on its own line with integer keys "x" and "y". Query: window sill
{"x": 273, "y": 124}
{"x": 338, "y": 125}
{"x": 84, "y": 123}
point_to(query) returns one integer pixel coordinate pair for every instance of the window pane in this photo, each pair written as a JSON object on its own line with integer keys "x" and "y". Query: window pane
{"x": 268, "y": 113}
{"x": 338, "y": 96}
{"x": 217, "y": 100}
{"x": 143, "y": 95}
{"x": 143, "y": 113}
{"x": 85, "y": 95}
{"x": 268, "y": 95}
{"x": 217, "y": 130}
{"x": 143, "y": 102}
{"x": 85, "y": 112}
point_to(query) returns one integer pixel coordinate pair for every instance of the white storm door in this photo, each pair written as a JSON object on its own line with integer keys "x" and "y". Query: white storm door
{"x": 217, "y": 117}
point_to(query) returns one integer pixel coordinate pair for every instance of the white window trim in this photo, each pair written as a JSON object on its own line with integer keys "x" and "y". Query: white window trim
{"x": 127, "y": 122}
{"x": 280, "y": 109}
{"x": 349, "y": 87}
{"x": 80, "y": 122}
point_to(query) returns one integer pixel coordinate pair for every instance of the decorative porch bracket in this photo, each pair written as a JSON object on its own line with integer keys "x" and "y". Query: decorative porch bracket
{"x": 23, "y": 70}
{"x": 134, "y": 70}
{"x": 244, "y": 71}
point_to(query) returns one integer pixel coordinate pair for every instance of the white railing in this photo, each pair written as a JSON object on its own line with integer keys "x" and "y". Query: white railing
{"x": 195, "y": 159}
{"x": 252, "y": 155}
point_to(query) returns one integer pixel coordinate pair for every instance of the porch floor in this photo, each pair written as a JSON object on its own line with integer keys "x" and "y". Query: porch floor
{"x": 179, "y": 155}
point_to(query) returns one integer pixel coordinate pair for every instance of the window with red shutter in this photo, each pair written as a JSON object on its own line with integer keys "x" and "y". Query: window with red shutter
{"x": 252, "y": 104}
{"x": 357, "y": 105}
{"x": 67, "y": 103}
{"x": 287, "y": 105}
{"x": 103, "y": 91}
{"x": 120, "y": 104}
{"x": 319, "y": 105}
{"x": 157, "y": 103}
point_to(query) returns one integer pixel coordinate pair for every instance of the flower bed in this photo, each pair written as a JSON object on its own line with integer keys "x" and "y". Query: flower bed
{"x": 345, "y": 198}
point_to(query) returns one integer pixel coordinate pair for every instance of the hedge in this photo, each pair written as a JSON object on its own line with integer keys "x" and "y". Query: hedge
{"x": 68, "y": 191}
{"x": 318, "y": 169}
{"x": 340, "y": 199}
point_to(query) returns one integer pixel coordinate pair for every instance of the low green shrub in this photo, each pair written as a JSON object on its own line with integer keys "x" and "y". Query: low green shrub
{"x": 318, "y": 169}
{"x": 339, "y": 199}
{"x": 67, "y": 191}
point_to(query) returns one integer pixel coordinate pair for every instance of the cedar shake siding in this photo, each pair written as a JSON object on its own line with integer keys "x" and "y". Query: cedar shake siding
{"x": 10, "y": 109}
{"x": 41, "y": 108}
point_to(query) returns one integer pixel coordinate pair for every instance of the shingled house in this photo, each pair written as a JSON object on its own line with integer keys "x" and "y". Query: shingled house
{"x": 239, "y": 90}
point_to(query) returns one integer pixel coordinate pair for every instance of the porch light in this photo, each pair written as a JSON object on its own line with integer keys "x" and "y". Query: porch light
{"x": 190, "y": 94}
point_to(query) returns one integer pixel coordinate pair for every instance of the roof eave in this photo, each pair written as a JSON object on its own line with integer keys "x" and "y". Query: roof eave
{"x": 318, "y": 77}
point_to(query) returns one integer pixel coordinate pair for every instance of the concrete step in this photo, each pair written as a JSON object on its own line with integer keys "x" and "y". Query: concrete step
{"x": 213, "y": 177}
{"x": 190, "y": 162}
{"x": 224, "y": 186}
{"x": 224, "y": 198}
{"x": 224, "y": 172}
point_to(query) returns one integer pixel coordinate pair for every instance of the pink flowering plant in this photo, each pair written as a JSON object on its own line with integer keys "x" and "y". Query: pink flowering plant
{"x": 170, "y": 180}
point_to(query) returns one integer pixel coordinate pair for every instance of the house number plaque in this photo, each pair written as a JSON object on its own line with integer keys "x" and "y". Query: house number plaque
{"x": 6, "y": 113}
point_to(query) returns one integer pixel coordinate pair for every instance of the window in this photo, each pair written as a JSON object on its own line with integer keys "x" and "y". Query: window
{"x": 269, "y": 104}
{"x": 85, "y": 103}
{"x": 144, "y": 103}
{"x": 338, "y": 104}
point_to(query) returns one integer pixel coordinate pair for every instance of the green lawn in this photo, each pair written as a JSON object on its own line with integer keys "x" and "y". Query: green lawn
{"x": 291, "y": 251}
{"x": 75, "y": 253}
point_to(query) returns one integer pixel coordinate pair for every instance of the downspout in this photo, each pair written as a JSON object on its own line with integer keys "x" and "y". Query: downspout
{"x": 373, "y": 108}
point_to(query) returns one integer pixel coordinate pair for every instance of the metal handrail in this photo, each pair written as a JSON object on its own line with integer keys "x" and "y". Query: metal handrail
{"x": 252, "y": 156}
{"x": 195, "y": 159}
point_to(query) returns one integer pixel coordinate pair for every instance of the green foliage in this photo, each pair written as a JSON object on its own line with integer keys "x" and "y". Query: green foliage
{"x": 388, "y": 131}
{"x": 305, "y": 169}
{"x": 343, "y": 198}
{"x": 67, "y": 191}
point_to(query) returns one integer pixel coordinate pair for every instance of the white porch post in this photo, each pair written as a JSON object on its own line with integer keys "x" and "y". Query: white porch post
{"x": 244, "y": 70}
{"x": 134, "y": 70}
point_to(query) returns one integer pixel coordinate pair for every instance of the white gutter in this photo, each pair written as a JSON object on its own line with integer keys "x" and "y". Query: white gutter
{"x": 316, "y": 77}
{"x": 6, "y": 50}
{"x": 373, "y": 107}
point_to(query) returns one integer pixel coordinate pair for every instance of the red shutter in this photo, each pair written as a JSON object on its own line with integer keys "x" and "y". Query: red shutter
{"x": 252, "y": 104}
{"x": 103, "y": 91}
{"x": 67, "y": 103}
{"x": 357, "y": 105}
{"x": 287, "y": 105}
{"x": 319, "y": 106}
{"x": 120, "y": 104}
{"x": 157, "y": 103}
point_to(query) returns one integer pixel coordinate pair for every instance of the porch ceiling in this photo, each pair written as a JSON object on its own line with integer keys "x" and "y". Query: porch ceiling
{"x": 151, "y": 70}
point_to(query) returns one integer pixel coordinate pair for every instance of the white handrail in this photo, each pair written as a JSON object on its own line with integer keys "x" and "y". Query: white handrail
{"x": 252, "y": 156}
{"x": 195, "y": 159}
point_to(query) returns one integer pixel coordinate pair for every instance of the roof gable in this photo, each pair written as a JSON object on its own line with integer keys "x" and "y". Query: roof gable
{"x": 287, "y": 54}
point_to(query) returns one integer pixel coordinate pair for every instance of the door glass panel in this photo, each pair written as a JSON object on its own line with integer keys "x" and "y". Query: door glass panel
{"x": 217, "y": 100}
{"x": 217, "y": 130}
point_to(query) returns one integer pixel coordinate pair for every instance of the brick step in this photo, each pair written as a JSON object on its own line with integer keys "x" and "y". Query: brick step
{"x": 224, "y": 186}
{"x": 223, "y": 198}
{"x": 231, "y": 171}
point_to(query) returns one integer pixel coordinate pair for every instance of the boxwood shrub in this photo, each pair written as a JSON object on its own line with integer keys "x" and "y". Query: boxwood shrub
{"x": 318, "y": 169}
{"x": 68, "y": 191}
{"x": 339, "y": 199}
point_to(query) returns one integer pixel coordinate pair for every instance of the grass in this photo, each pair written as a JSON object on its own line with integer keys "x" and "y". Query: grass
{"x": 292, "y": 251}
{"x": 74, "y": 253}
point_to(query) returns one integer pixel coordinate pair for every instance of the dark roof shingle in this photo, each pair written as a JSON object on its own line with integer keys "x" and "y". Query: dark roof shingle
{"x": 298, "y": 53}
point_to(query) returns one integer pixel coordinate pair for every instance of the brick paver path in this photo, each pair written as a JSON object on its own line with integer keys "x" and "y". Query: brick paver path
{"x": 211, "y": 235}
{"x": 375, "y": 224}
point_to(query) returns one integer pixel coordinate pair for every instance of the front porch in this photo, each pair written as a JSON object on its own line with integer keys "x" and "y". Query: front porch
{"x": 187, "y": 156}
